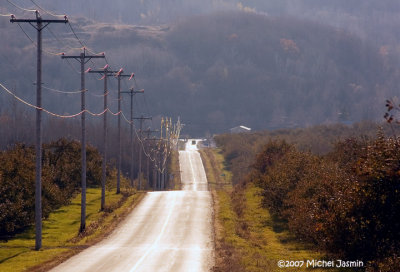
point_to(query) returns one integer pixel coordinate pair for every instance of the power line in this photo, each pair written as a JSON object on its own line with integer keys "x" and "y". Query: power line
{"x": 46, "y": 11}
{"x": 21, "y": 8}
{"x": 99, "y": 95}
{"x": 26, "y": 34}
{"x": 49, "y": 112}
{"x": 66, "y": 45}
{"x": 83, "y": 44}
{"x": 76, "y": 36}
{"x": 72, "y": 67}
{"x": 63, "y": 92}
{"x": 33, "y": 42}
{"x": 119, "y": 113}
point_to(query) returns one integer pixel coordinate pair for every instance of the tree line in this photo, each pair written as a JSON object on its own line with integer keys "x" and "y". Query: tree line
{"x": 345, "y": 202}
{"x": 61, "y": 174}
{"x": 60, "y": 180}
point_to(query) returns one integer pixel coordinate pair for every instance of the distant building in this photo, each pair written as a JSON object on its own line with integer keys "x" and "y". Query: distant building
{"x": 240, "y": 129}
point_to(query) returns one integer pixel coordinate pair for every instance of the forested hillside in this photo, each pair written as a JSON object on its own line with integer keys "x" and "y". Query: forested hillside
{"x": 376, "y": 21}
{"x": 218, "y": 71}
{"x": 369, "y": 17}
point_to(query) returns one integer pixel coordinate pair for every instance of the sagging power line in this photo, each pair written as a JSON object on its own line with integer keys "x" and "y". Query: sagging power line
{"x": 144, "y": 148}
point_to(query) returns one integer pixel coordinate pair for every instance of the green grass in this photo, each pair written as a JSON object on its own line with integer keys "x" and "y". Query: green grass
{"x": 218, "y": 176}
{"x": 268, "y": 244}
{"x": 253, "y": 241}
{"x": 60, "y": 231}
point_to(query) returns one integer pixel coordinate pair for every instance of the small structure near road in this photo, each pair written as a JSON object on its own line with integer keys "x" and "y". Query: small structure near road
{"x": 240, "y": 129}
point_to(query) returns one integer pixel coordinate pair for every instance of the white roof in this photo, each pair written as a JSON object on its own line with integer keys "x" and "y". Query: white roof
{"x": 242, "y": 127}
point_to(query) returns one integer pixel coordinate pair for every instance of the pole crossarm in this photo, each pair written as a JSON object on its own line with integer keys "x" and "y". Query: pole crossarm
{"x": 134, "y": 92}
{"x": 86, "y": 57}
{"x": 40, "y": 23}
{"x": 37, "y": 20}
{"x": 83, "y": 57}
{"x": 107, "y": 72}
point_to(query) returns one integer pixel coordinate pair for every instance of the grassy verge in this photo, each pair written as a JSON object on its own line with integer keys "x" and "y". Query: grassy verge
{"x": 247, "y": 237}
{"x": 61, "y": 239}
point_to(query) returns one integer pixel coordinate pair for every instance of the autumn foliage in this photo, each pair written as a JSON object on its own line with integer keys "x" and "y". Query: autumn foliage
{"x": 345, "y": 203}
{"x": 60, "y": 181}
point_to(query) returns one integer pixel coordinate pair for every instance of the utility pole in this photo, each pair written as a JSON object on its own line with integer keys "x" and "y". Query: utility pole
{"x": 159, "y": 165}
{"x": 119, "y": 75}
{"x": 154, "y": 174}
{"x": 106, "y": 73}
{"x": 140, "y": 150}
{"x": 158, "y": 162}
{"x": 161, "y": 151}
{"x": 132, "y": 92}
{"x": 149, "y": 131}
{"x": 168, "y": 132}
{"x": 162, "y": 166}
{"x": 39, "y": 24}
{"x": 83, "y": 59}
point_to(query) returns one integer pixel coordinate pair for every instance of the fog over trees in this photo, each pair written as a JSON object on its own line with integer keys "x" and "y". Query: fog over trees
{"x": 218, "y": 64}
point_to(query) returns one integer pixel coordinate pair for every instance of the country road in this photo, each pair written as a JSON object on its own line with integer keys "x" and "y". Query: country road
{"x": 167, "y": 231}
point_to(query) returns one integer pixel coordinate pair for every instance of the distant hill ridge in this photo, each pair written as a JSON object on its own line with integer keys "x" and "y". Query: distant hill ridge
{"x": 223, "y": 69}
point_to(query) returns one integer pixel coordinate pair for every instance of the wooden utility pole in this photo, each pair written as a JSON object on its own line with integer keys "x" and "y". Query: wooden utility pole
{"x": 168, "y": 149}
{"x": 39, "y": 24}
{"x": 154, "y": 176}
{"x": 140, "y": 149}
{"x": 149, "y": 131}
{"x": 119, "y": 75}
{"x": 106, "y": 74}
{"x": 162, "y": 165}
{"x": 132, "y": 92}
{"x": 157, "y": 173}
{"x": 83, "y": 59}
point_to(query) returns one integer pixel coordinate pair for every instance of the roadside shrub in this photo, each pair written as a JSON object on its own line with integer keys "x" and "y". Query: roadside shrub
{"x": 378, "y": 228}
{"x": 277, "y": 170}
{"x": 17, "y": 177}
{"x": 321, "y": 205}
{"x": 346, "y": 203}
{"x": 61, "y": 179}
